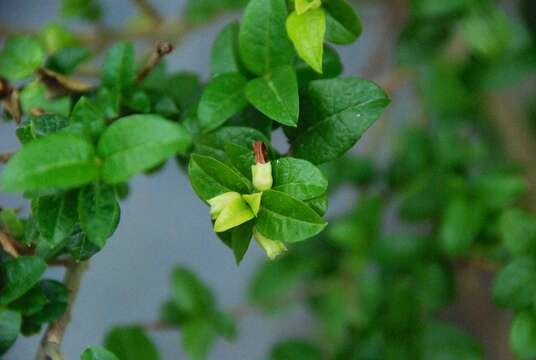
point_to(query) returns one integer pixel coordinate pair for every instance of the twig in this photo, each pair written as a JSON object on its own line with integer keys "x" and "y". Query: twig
{"x": 60, "y": 84}
{"x": 7, "y": 244}
{"x": 148, "y": 9}
{"x": 50, "y": 346}
{"x": 161, "y": 50}
{"x": 10, "y": 99}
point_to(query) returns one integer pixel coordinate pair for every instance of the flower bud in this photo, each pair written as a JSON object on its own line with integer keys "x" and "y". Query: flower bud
{"x": 262, "y": 176}
{"x": 254, "y": 202}
{"x": 218, "y": 203}
{"x": 235, "y": 213}
{"x": 273, "y": 248}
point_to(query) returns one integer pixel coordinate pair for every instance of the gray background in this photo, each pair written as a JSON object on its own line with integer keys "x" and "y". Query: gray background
{"x": 163, "y": 223}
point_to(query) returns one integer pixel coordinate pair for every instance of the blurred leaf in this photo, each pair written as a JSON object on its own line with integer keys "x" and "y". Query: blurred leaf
{"x": 441, "y": 340}
{"x": 56, "y": 297}
{"x": 400, "y": 250}
{"x": 462, "y": 222}
{"x": 130, "y": 342}
{"x": 295, "y": 350}
{"x": 198, "y": 337}
{"x": 515, "y": 284}
{"x": 66, "y": 60}
{"x": 20, "y": 275}
{"x": 55, "y": 37}
{"x": 190, "y": 295}
{"x": 87, "y": 119}
{"x": 97, "y": 353}
{"x": 10, "y": 323}
{"x": 518, "y": 230}
{"x": 498, "y": 190}
{"x": 11, "y": 223}
{"x": 523, "y": 335}
{"x": 199, "y": 11}
{"x": 118, "y": 68}
{"x": 331, "y": 67}
{"x": 224, "y": 56}
{"x": 34, "y": 96}
{"x": 88, "y": 10}
{"x": 20, "y": 57}
{"x": 343, "y": 25}
{"x": 79, "y": 246}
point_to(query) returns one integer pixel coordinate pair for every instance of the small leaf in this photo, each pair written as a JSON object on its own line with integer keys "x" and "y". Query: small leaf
{"x": 343, "y": 25}
{"x": 88, "y": 10}
{"x": 518, "y": 230}
{"x": 240, "y": 240}
{"x": 213, "y": 143}
{"x": 55, "y": 161}
{"x": 97, "y": 353}
{"x": 263, "y": 40}
{"x": 66, "y": 60}
{"x": 87, "y": 119}
{"x": 11, "y": 223}
{"x": 302, "y": 6}
{"x": 223, "y": 97}
{"x": 130, "y": 342}
{"x": 331, "y": 67}
{"x": 190, "y": 295}
{"x": 47, "y": 124}
{"x": 307, "y": 33}
{"x": 79, "y": 246}
{"x": 235, "y": 213}
{"x": 20, "y": 275}
{"x": 10, "y": 324}
{"x": 118, "y": 68}
{"x": 298, "y": 178}
{"x": 137, "y": 143}
{"x": 210, "y": 178}
{"x": 35, "y": 96}
{"x": 341, "y": 111}
{"x": 295, "y": 350}
{"x": 276, "y": 95}
{"x": 99, "y": 212}
{"x": 198, "y": 337}
{"x": 515, "y": 284}
{"x": 224, "y": 56}
{"x": 523, "y": 335}
{"x": 20, "y": 57}
{"x": 287, "y": 219}
{"x": 56, "y": 217}
{"x": 239, "y": 157}
{"x": 56, "y": 297}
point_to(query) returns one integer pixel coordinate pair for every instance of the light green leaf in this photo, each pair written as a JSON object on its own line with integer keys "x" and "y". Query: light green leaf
{"x": 10, "y": 324}
{"x": 35, "y": 96}
{"x": 340, "y": 111}
{"x": 343, "y": 25}
{"x": 87, "y": 119}
{"x": 210, "y": 177}
{"x": 20, "y": 275}
{"x": 224, "y": 56}
{"x": 56, "y": 217}
{"x": 518, "y": 230}
{"x": 287, "y": 219}
{"x": 99, "y": 212}
{"x": 307, "y": 33}
{"x": 55, "y": 161}
{"x": 189, "y": 294}
{"x": 198, "y": 337}
{"x": 97, "y": 353}
{"x": 515, "y": 284}
{"x": 523, "y": 335}
{"x": 20, "y": 57}
{"x": 276, "y": 95}
{"x": 263, "y": 40}
{"x": 136, "y": 143}
{"x": 11, "y": 223}
{"x": 118, "y": 68}
{"x": 303, "y": 6}
{"x": 298, "y": 178}
{"x": 235, "y": 213}
{"x": 223, "y": 97}
{"x": 130, "y": 342}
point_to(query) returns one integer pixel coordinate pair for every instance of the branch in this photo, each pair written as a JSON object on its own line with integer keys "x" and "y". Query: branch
{"x": 161, "y": 50}
{"x": 148, "y": 9}
{"x": 50, "y": 346}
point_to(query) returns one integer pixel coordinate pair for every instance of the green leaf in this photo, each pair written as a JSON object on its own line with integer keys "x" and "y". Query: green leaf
{"x": 47, "y": 124}
{"x": 99, "y": 212}
{"x": 210, "y": 177}
{"x": 118, "y": 68}
{"x": 498, "y": 190}
{"x": 276, "y": 95}
{"x": 213, "y": 143}
{"x": 287, "y": 219}
{"x": 56, "y": 217}
{"x": 56, "y": 297}
{"x": 431, "y": 8}
{"x": 11, "y": 223}
{"x": 20, "y": 275}
{"x": 10, "y": 324}
{"x": 307, "y": 33}
{"x": 88, "y": 10}
{"x": 224, "y": 56}
{"x": 137, "y": 143}
{"x": 343, "y": 109}
{"x": 302, "y": 6}
{"x": 343, "y": 25}
{"x": 199, "y": 11}
{"x": 515, "y": 284}
{"x": 35, "y": 96}
{"x": 441, "y": 340}
{"x": 462, "y": 222}
{"x": 198, "y": 337}
{"x": 240, "y": 240}
{"x": 401, "y": 250}
{"x": 87, "y": 119}
{"x": 298, "y": 178}
{"x": 523, "y": 335}
{"x": 518, "y": 230}
{"x": 223, "y": 97}
{"x": 66, "y": 60}
{"x": 130, "y": 342}
{"x": 79, "y": 246}
{"x": 97, "y": 353}
{"x": 55, "y": 161}
{"x": 295, "y": 350}
{"x": 189, "y": 294}
{"x": 241, "y": 158}
{"x": 263, "y": 41}
{"x": 55, "y": 37}
{"x": 20, "y": 57}
{"x": 331, "y": 67}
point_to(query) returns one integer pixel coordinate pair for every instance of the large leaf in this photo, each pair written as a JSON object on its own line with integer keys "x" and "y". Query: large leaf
{"x": 341, "y": 111}
{"x": 56, "y": 217}
{"x": 99, "y": 212}
{"x": 118, "y": 68}
{"x": 136, "y": 143}
{"x": 130, "y": 342}
{"x": 97, "y": 353}
{"x": 343, "y": 25}
{"x": 307, "y": 33}
{"x": 276, "y": 95}
{"x": 287, "y": 219}
{"x": 224, "y": 56}
{"x": 223, "y": 97}
{"x": 298, "y": 178}
{"x": 10, "y": 323}
{"x": 20, "y": 56}
{"x": 55, "y": 161}
{"x": 20, "y": 275}
{"x": 210, "y": 177}
{"x": 263, "y": 40}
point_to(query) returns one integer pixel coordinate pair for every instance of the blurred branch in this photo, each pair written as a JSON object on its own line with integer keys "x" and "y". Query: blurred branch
{"x": 148, "y": 9}
{"x": 4, "y": 157}
{"x": 161, "y": 50}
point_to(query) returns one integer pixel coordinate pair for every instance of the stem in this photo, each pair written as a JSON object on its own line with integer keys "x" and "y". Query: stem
{"x": 50, "y": 347}
{"x": 161, "y": 50}
{"x": 259, "y": 149}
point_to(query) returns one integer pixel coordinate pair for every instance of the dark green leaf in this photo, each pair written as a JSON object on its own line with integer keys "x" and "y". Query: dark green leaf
{"x": 10, "y": 323}
{"x": 295, "y": 350}
{"x": 241, "y": 158}
{"x": 56, "y": 297}
{"x": 20, "y": 56}
{"x": 47, "y": 124}
{"x": 130, "y": 342}
{"x": 79, "y": 246}
{"x": 213, "y": 143}
{"x": 400, "y": 250}
{"x": 298, "y": 178}
{"x": 82, "y": 9}
{"x": 443, "y": 341}
{"x": 55, "y": 161}
{"x": 343, "y": 25}
{"x": 515, "y": 284}
{"x": 20, "y": 275}
{"x": 276, "y": 95}
{"x": 137, "y": 143}
{"x": 97, "y": 353}
{"x": 56, "y": 217}
{"x": 331, "y": 66}
{"x": 263, "y": 40}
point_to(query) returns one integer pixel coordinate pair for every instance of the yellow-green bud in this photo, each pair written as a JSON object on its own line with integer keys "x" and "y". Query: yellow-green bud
{"x": 218, "y": 203}
{"x": 262, "y": 176}
{"x": 254, "y": 202}
{"x": 273, "y": 248}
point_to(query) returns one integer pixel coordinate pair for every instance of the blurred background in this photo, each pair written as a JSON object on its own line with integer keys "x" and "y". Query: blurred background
{"x": 163, "y": 223}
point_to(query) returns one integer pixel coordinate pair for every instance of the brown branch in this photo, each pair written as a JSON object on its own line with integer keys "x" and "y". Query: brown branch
{"x": 259, "y": 149}
{"x": 50, "y": 346}
{"x": 7, "y": 244}
{"x": 161, "y": 50}
{"x": 60, "y": 84}
{"x": 10, "y": 99}
{"x": 148, "y": 9}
